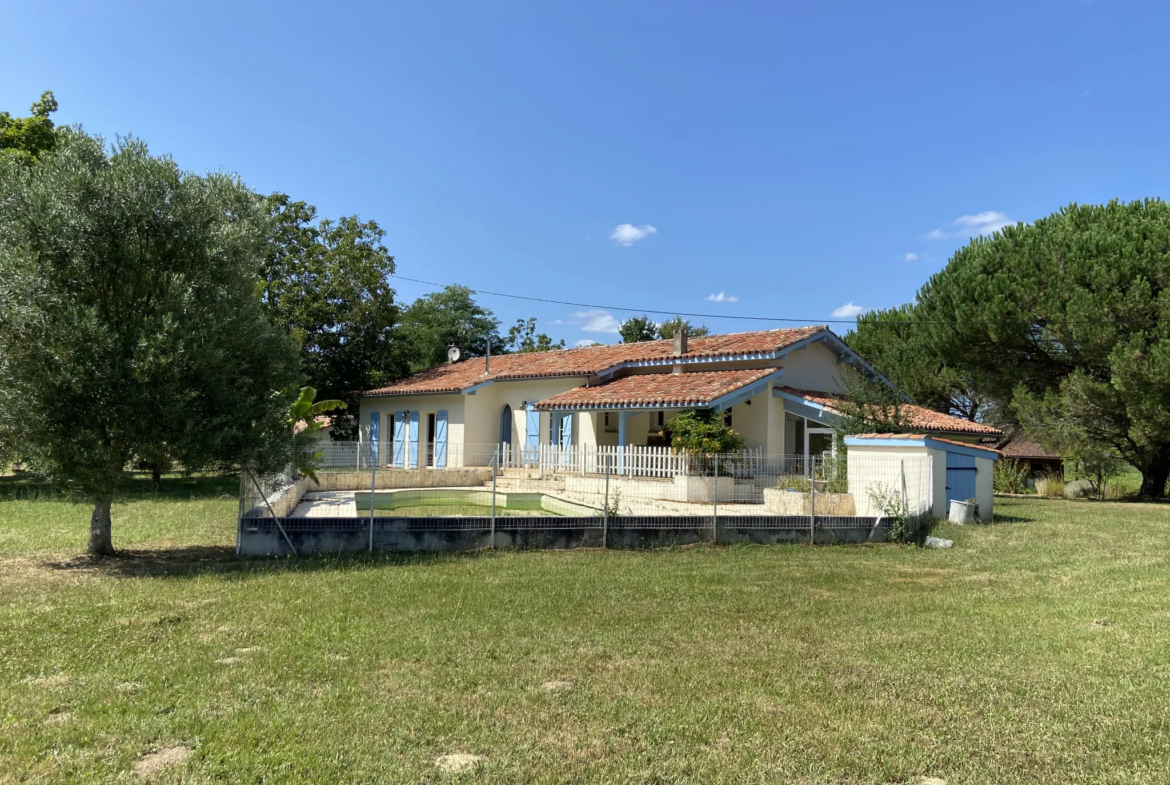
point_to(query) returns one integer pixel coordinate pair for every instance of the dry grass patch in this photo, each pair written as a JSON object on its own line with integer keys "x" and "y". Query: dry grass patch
{"x": 153, "y": 763}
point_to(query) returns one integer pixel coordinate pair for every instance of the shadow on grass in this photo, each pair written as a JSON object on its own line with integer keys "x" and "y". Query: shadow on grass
{"x": 136, "y": 486}
{"x": 1000, "y": 518}
{"x": 196, "y": 560}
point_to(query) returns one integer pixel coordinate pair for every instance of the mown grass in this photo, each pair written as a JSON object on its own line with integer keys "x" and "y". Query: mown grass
{"x": 1034, "y": 651}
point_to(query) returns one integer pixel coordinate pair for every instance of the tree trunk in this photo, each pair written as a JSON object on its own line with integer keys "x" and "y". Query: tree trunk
{"x": 156, "y": 477}
{"x": 101, "y": 542}
{"x": 1155, "y": 473}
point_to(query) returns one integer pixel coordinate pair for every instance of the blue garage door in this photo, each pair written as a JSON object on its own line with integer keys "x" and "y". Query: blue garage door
{"x": 960, "y": 478}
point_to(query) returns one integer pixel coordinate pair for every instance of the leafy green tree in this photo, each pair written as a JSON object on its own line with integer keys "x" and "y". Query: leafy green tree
{"x": 326, "y": 285}
{"x": 703, "y": 432}
{"x": 1066, "y": 323}
{"x": 897, "y": 346}
{"x": 869, "y": 407}
{"x": 28, "y": 138}
{"x": 129, "y": 319}
{"x": 668, "y": 328}
{"x": 452, "y": 317}
{"x": 523, "y": 338}
{"x": 638, "y": 328}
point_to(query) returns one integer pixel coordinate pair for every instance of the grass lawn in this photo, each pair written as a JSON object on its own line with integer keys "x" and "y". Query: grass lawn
{"x": 1035, "y": 651}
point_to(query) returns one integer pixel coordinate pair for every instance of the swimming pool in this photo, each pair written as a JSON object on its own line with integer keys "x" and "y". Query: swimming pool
{"x": 467, "y": 502}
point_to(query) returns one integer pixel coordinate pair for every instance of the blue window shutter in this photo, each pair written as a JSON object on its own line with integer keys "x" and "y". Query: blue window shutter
{"x": 412, "y": 455}
{"x": 531, "y": 428}
{"x": 375, "y": 423}
{"x": 400, "y": 439}
{"x": 567, "y": 431}
{"x": 440, "y": 440}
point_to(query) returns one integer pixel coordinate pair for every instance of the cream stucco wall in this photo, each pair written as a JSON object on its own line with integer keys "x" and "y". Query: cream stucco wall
{"x": 474, "y": 420}
{"x": 389, "y": 405}
{"x": 812, "y": 368}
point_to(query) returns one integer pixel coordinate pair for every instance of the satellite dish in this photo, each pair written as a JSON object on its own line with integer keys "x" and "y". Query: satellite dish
{"x": 453, "y": 354}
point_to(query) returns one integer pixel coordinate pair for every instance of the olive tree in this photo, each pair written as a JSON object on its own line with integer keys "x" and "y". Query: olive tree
{"x": 130, "y": 321}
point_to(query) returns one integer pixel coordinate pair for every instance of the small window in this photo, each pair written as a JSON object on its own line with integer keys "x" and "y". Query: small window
{"x": 607, "y": 419}
{"x": 660, "y": 421}
{"x": 727, "y": 418}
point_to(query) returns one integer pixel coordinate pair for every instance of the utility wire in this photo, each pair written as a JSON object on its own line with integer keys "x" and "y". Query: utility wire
{"x": 649, "y": 311}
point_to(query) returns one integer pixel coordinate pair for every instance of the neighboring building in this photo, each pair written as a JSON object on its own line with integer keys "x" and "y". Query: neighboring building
{"x": 1038, "y": 461}
{"x": 777, "y": 387}
{"x": 322, "y": 435}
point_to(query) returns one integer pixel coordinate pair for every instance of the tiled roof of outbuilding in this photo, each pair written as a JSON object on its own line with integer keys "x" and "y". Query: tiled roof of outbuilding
{"x": 917, "y": 416}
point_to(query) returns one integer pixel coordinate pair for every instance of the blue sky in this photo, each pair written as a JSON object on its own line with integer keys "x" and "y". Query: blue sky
{"x": 791, "y": 157}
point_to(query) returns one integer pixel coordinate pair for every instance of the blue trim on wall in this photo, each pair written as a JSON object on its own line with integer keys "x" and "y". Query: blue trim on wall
{"x": 744, "y": 393}
{"x": 934, "y": 444}
{"x": 810, "y": 410}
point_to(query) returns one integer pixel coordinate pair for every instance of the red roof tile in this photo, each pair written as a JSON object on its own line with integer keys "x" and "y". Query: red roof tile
{"x": 697, "y": 388}
{"x": 917, "y": 416}
{"x": 589, "y": 360}
{"x": 1019, "y": 447}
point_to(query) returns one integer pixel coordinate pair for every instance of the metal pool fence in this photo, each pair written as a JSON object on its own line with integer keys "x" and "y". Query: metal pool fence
{"x": 719, "y": 498}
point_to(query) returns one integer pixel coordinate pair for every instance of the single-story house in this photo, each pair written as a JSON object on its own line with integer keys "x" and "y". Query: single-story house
{"x": 777, "y": 388}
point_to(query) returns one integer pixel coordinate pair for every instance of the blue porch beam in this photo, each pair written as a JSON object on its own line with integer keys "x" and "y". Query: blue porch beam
{"x": 810, "y": 410}
{"x": 744, "y": 393}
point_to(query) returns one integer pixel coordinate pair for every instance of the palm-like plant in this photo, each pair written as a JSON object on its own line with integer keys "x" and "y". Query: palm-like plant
{"x": 304, "y": 419}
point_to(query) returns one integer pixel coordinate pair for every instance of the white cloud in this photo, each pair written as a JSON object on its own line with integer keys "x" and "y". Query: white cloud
{"x": 587, "y": 342}
{"x": 847, "y": 311}
{"x": 628, "y": 234}
{"x": 722, "y": 298}
{"x": 597, "y": 321}
{"x": 972, "y": 225}
{"x": 912, "y": 257}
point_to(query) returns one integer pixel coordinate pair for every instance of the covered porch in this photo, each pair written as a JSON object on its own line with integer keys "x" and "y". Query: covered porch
{"x": 623, "y": 427}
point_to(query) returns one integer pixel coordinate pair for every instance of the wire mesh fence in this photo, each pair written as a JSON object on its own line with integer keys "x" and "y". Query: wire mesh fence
{"x": 842, "y": 494}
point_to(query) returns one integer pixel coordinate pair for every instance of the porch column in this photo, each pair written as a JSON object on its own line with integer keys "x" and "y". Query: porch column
{"x": 623, "y": 418}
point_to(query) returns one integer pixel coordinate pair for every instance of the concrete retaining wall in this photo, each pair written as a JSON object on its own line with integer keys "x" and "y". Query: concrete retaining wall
{"x": 678, "y": 489}
{"x": 262, "y": 537}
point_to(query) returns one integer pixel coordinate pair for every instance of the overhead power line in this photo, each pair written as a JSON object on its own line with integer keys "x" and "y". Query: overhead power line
{"x": 773, "y": 319}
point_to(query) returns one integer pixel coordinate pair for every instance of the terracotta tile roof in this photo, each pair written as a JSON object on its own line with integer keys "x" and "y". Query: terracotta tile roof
{"x": 1019, "y": 447}
{"x": 589, "y": 360}
{"x": 917, "y": 416}
{"x": 325, "y": 420}
{"x": 697, "y": 388}
{"x": 921, "y": 437}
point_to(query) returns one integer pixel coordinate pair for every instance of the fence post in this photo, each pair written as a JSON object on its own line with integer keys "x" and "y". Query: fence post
{"x": 605, "y": 521}
{"x": 812, "y": 504}
{"x": 905, "y": 506}
{"x": 240, "y": 512}
{"x": 715, "y": 496}
{"x": 495, "y": 468}
{"x": 373, "y": 488}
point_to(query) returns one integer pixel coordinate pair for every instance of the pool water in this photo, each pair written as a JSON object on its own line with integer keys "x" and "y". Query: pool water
{"x": 467, "y": 503}
{"x": 456, "y": 511}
